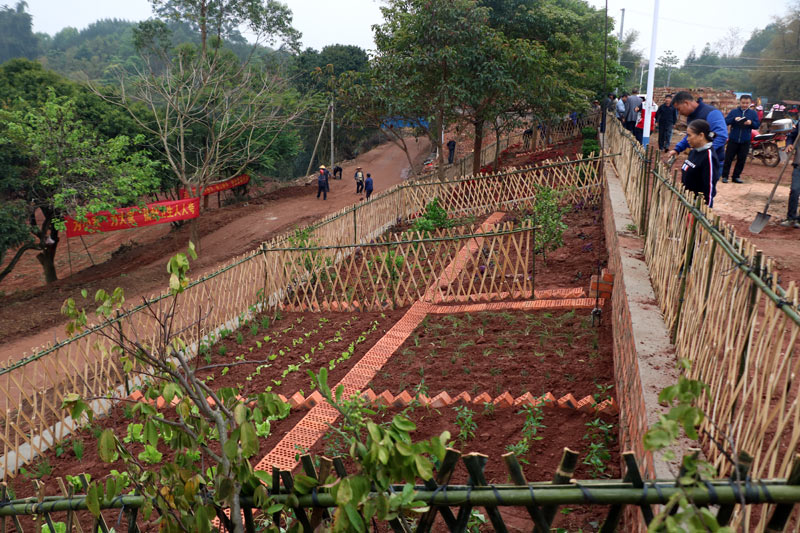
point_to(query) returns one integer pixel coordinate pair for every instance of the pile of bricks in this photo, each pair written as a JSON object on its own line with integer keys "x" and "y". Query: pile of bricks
{"x": 604, "y": 285}
{"x": 587, "y": 404}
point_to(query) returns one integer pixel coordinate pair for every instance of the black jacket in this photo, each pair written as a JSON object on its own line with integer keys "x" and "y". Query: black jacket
{"x": 698, "y": 173}
{"x": 666, "y": 115}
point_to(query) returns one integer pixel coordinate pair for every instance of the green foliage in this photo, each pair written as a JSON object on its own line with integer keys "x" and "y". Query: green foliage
{"x": 386, "y": 455}
{"x": 548, "y": 217}
{"x": 60, "y": 527}
{"x": 465, "y": 422}
{"x": 590, "y": 147}
{"x": 679, "y": 514}
{"x": 434, "y": 217}
{"x": 74, "y": 171}
{"x": 16, "y": 33}
{"x": 589, "y": 133}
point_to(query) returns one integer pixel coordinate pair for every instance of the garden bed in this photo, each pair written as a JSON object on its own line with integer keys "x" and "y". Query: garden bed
{"x": 536, "y": 351}
{"x": 496, "y": 432}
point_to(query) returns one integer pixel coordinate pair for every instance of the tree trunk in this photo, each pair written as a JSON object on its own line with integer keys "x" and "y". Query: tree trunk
{"x": 439, "y": 145}
{"x": 497, "y": 134}
{"x": 194, "y": 233}
{"x": 476, "y": 148}
{"x": 47, "y": 258}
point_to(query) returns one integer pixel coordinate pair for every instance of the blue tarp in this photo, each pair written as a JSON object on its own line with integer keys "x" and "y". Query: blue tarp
{"x": 399, "y": 122}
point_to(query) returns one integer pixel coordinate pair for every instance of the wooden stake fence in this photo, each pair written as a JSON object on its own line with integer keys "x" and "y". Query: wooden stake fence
{"x": 32, "y": 387}
{"x": 540, "y": 499}
{"x": 733, "y": 322}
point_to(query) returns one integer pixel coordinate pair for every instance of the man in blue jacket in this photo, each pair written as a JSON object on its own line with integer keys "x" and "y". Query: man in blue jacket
{"x": 742, "y": 121}
{"x": 693, "y": 109}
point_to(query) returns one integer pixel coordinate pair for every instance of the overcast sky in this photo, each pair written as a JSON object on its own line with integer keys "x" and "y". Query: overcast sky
{"x": 683, "y": 23}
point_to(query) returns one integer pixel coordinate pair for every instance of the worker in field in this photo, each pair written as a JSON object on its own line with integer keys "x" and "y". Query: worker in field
{"x": 792, "y": 218}
{"x": 698, "y": 173}
{"x": 368, "y": 185}
{"x": 693, "y": 109}
{"x": 323, "y": 182}
{"x": 359, "y": 177}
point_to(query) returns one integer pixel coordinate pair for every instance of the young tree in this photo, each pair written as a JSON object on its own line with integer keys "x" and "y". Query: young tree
{"x": 211, "y": 113}
{"x": 668, "y": 60}
{"x": 67, "y": 170}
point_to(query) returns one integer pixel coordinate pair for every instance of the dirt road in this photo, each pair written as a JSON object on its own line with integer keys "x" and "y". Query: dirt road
{"x": 30, "y": 317}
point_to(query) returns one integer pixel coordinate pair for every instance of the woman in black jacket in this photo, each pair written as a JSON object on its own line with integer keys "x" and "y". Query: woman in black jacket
{"x": 700, "y": 167}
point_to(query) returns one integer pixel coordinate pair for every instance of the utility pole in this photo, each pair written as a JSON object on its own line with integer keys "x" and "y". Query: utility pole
{"x": 651, "y": 71}
{"x": 332, "y": 160}
{"x": 621, "y": 27}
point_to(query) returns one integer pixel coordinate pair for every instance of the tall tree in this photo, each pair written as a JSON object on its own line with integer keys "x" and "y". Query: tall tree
{"x": 64, "y": 168}
{"x": 211, "y": 113}
{"x": 16, "y": 33}
{"x": 774, "y": 78}
{"x": 668, "y": 61}
{"x": 419, "y": 46}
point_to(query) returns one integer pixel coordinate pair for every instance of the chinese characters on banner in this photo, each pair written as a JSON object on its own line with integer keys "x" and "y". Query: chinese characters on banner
{"x": 134, "y": 217}
{"x": 236, "y": 181}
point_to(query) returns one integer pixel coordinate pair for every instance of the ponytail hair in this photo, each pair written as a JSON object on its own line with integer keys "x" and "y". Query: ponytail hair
{"x": 702, "y": 127}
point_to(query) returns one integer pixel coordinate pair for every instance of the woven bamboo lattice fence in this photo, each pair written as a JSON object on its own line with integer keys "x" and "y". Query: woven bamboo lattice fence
{"x": 395, "y": 274}
{"x": 727, "y": 315}
{"x": 449, "y": 505}
{"x": 32, "y": 388}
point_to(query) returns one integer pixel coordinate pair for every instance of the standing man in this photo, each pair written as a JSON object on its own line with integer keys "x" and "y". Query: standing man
{"x": 368, "y": 185}
{"x": 322, "y": 182}
{"x": 632, "y": 107}
{"x": 337, "y": 172}
{"x": 666, "y": 117}
{"x": 451, "y": 146}
{"x": 693, "y": 109}
{"x": 742, "y": 121}
{"x": 621, "y": 107}
{"x": 608, "y": 106}
{"x": 359, "y": 177}
{"x": 792, "y": 219}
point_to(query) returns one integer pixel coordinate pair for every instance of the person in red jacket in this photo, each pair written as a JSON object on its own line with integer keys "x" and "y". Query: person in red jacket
{"x": 638, "y": 130}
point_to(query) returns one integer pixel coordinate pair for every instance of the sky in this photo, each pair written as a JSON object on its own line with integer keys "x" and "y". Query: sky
{"x": 683, "y": 24}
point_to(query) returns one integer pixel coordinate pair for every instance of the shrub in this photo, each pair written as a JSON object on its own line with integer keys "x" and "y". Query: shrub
{"x": 435, "y": 217}
{"x": 589, "y": 133}
{"x": 590, "y": 146}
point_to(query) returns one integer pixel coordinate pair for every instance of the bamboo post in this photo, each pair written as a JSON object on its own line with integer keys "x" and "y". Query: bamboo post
{"x": 276, "y": 489}
{"x": 446, "y": 469}
{"x": 751, "y": 307}
{"x": 638, "y": 483}
{"x": 87, "y": 250}
{"x": 299, "y": 512}
{"x": 687, "y": 263}
{"x": 781, "y": 514}
{"x": 99, "y": 521}
{"x": 475, "y": 463}
{"x": 739, "y": 477}
{"x": 518, "y": 477}
{"x": 563, "y": 475}
{"x": 645, "y": 174}
{"x": 317, "y": 515}
{"x": 355, "y": 225}
{"x": 615, "y": 512}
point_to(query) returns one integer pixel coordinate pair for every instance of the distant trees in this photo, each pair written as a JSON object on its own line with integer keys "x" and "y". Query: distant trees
{"x": 16, "y": 33}
{"x": 211, "y": 115}
{"x": 777, "y": 74}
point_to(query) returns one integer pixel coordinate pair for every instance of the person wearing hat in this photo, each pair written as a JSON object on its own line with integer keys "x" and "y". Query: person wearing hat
{"x": 359, "y": 177}
{"x": 322, "y": 182}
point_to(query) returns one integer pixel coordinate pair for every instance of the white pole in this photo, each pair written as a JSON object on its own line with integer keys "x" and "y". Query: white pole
{"x": 332, "y": 161}
{"x": 651, "y": 75}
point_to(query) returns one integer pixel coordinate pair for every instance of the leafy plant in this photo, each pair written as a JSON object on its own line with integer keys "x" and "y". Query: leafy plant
{"x": 548, "y": 216}
{"x": 464, "y": 421}
{"x": 434, "y": 217}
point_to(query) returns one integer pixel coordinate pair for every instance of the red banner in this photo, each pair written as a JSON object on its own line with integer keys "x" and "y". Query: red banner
{"x": 236, "y": 181}
{"x": 134, "y": 217}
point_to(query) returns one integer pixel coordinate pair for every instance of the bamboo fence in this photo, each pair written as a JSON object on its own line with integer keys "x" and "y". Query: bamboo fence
{"x": 32, "y": 388}
{"x": 449, "y": 506}
{"x": 726, "y": 314}
{"x": 395, "y": 274}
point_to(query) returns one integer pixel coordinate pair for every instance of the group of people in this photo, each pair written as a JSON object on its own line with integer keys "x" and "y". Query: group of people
{"x": 715, "y": 140}
{"x": 363, "y": 184}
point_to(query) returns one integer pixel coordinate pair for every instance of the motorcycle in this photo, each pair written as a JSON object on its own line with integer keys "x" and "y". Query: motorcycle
{"x": 766, "y": 147}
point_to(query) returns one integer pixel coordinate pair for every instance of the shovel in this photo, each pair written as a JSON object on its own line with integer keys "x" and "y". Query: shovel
{"x": 762, "y": 218}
